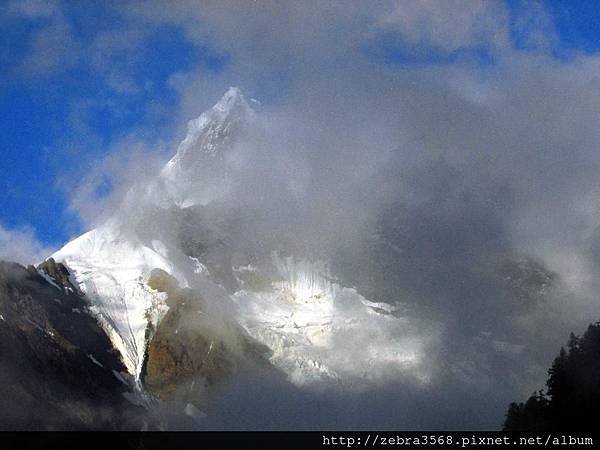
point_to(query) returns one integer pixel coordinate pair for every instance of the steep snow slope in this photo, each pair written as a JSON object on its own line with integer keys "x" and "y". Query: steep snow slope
{"x": 199, "y": 171}
{"x": 316, "y": 328}
{"x": 111, "y": 263}
{"x": 319, "y": 330}
{"x": 112, "y": 272}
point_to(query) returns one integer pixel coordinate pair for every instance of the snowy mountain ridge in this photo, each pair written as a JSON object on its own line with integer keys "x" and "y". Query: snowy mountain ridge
{"x": 316, "y": 329}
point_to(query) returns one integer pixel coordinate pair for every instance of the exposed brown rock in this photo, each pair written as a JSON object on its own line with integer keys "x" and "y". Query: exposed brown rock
{"x": 161, "y": 281}
{"x": 58, "y": 272}
{"x": 192, "y": 351}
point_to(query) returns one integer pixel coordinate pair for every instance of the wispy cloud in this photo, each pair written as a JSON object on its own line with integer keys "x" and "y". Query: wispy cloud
{"x": 449, "y": 25}
{"x": 32, "y": 9}
{"x": 53, "y": 44}
{"x": 96, "y": 195}
{"x": 22, "y": 246}
{"x": 471, "y": 165}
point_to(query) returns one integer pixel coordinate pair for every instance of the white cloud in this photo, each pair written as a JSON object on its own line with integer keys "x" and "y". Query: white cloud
{"x": 94, "y": 195}
{"x": 449, "y": 25}
{"x": 534, "y": 27}
{"x": 21, "y": 245}
{"x": 359, "y": 133}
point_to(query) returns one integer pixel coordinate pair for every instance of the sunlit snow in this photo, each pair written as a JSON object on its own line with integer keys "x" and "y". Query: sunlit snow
{"x": 316, "y": 328}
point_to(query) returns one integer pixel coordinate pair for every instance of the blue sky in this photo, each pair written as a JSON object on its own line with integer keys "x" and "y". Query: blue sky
{"x": 476, "y": 121}
{"x": 79, "y": 77}
{"x": 56, "y": 119}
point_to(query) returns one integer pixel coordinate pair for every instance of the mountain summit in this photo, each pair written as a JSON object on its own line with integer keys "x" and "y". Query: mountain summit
{"x": 188, "y": 286}
{"x": 211, "y": 131}
{"x": 195, "y": 173}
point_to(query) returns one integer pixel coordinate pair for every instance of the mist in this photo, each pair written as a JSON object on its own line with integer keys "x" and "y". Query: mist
{"x": 438, "y": 159}
{"x": 441, "y": 212}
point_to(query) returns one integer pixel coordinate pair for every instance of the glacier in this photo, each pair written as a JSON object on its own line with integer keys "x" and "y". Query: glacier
{"x": 317, "y": 329}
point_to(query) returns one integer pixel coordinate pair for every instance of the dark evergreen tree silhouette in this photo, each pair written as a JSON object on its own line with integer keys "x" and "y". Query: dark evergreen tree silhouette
{"x": 572, "y": 399}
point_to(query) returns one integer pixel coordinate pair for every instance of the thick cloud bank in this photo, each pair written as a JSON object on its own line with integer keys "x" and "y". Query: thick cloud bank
{"x": 439, "y": 156}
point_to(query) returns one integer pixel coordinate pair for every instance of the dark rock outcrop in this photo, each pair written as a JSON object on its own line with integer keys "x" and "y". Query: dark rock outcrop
{"x": 58, "y": 272}
{"x": 58, "y": 369}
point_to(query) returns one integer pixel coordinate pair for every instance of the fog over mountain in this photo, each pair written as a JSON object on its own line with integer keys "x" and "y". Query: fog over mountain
{"x": 373, "y": 219}
{"x": 399, "y": 285}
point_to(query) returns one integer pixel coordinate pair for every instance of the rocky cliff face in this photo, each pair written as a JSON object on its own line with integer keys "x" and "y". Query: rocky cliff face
{"x": 58, "y": 369}
{"x": 194, "y": 282}
{"x": 193, "y": 350}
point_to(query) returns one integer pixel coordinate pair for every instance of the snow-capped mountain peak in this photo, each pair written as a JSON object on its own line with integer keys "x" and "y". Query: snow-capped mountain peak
{"x": 195, "y": 173}
{"x": 233, "y": 100}
{"x": 316, "y": 328}
{"x": 112, "y": 263}
{"x": 211, "y": 131}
